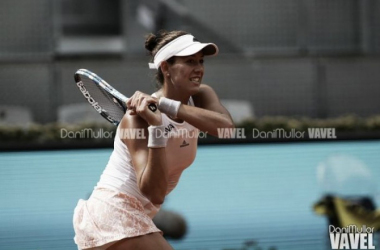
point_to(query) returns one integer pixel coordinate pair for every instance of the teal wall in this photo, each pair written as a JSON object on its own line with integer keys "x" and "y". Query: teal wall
{"x": 231, "y": 194}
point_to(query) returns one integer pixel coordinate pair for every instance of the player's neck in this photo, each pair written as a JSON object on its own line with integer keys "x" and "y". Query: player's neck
{"x": 172, "y": 94}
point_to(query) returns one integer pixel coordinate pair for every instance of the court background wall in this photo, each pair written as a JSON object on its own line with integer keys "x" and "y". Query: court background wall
{"x": 294, "y": 58}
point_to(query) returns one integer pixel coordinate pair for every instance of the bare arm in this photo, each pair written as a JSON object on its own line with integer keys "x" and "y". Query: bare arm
{"x": 209, "y": 114}
{"x": 149, "y": 163}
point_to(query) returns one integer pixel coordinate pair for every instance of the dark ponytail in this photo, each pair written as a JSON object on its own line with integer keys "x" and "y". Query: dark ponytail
{"x": 154, "y": 42}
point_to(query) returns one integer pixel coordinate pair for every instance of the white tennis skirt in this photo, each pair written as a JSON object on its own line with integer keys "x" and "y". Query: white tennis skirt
{"x": 107, "y": 217}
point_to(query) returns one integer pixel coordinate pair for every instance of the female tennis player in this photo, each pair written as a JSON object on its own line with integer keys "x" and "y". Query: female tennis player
{"x": 141, "y": 172}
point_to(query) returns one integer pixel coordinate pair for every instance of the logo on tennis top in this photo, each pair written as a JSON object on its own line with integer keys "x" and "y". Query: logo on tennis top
{"x": 184, "y": 144}
{"x": 87, "y": 95}
{"x": 169, "y": 128}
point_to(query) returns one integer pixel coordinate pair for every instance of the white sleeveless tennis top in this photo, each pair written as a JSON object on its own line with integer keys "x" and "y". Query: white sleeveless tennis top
{"x": 181, "y": 148}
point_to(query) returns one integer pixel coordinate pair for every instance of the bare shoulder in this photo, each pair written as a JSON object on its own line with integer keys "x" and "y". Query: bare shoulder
{"x": 205, "y": 90}
{"x": 206, "y": 94}
{"x": 133, "y": 121}
{"x": 207, "y": 98}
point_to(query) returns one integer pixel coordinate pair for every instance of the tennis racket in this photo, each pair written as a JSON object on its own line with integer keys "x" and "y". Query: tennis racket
{"x": 105, "y": 99}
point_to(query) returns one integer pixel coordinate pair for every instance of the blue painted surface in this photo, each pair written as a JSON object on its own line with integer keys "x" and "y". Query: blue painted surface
{"x": 231, "y": 194}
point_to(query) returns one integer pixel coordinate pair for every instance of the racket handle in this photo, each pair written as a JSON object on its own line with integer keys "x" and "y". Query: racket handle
{"x": 152, "y": 107}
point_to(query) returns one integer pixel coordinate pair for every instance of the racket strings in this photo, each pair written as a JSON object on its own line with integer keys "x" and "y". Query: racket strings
{"x": 109, "y": 104}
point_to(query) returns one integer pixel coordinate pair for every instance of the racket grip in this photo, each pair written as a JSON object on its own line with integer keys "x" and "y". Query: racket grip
{"x": 152, "y": 107}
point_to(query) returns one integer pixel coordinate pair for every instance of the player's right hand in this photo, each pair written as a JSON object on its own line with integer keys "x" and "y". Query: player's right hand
{"x": 138, "y": 105}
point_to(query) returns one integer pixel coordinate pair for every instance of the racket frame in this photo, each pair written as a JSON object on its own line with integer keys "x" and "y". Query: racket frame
{"x": 118, "y": 97}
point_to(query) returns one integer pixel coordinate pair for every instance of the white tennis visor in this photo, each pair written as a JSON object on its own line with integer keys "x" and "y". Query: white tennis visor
{"x": 185, "y": 45}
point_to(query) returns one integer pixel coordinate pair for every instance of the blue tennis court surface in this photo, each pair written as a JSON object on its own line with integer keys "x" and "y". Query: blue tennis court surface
{"x": 231, "y": 194}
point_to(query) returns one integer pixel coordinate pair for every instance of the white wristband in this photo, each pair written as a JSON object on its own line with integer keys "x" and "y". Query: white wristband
{"x": 157, "y": 138}
{"x": 169, "y": 106}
